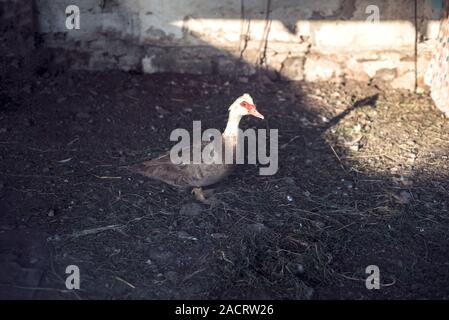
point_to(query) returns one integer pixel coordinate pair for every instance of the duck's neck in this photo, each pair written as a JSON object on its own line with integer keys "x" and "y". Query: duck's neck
{"x": 232, "y": 128}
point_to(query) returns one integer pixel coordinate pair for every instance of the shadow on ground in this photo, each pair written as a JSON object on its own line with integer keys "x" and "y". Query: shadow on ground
{"x": 362, "y": 181}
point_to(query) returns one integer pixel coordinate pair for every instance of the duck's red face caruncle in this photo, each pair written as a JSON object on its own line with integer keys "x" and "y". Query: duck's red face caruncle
{"x": 251, "y": 109}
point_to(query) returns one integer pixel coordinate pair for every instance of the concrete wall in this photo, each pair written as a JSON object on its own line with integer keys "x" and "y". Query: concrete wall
{"x": 308, "y": 39}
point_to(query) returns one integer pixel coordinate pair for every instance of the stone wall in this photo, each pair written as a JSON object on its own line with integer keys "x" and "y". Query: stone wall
{"x": 308, "y": 40}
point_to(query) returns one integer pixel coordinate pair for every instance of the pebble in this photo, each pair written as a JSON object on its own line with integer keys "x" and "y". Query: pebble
{"x": 357, "y": 128}
{"x": 354, "y": 148}
{"x": 161, "y": 110}
{"x": 54, "y": 238}
{"x": 299, "y": 269}
{"x": 51, "y": 213}
{"x": 394, "y": 170}
{"x": 324, "y": 119}
{"x": 257, "y": 227}
{"x": 348, "y": 184}
{"x": 185, "y": 236}
{"x": 219, "y": 235}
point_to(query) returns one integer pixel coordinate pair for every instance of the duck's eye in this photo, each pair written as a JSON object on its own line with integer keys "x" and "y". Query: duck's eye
{"x": 244, "y": 104}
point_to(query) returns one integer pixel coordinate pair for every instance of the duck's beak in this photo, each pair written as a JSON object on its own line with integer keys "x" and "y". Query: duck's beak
{"x": 257, "y": 114}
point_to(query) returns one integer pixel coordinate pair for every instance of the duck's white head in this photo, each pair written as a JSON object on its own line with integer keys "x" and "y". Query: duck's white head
{"x": 244, "y": 106}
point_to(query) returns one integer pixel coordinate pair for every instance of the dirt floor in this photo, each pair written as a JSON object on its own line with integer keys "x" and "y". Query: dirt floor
{"x": 362, "y": 180}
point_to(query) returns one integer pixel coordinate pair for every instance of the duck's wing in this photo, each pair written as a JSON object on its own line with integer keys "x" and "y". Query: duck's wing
{"x": 182, "y": 175}
{"x": 162, "y": 169}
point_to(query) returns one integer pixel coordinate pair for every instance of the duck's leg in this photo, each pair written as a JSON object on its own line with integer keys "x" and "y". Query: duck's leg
{"x": 199, "y": 195}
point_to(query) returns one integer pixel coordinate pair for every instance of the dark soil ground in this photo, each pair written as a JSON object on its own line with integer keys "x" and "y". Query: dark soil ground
{"x": 362, "y": 180}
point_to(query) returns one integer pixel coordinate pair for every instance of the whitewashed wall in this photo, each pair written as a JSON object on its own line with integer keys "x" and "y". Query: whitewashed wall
{"x": 308, "y": 39}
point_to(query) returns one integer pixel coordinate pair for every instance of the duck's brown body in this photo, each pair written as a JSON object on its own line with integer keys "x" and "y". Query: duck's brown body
{"x": 202, "y": 174}
{"x": 191, "y": 174}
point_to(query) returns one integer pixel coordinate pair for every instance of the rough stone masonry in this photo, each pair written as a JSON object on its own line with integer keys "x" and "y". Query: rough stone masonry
{"x": 308, "y": 40}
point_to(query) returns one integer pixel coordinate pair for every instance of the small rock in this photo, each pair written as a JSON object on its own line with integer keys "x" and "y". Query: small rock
{"x": 54, "y": 238}
{"x": 299, "y": 269}
{"x": 289, "y": 198}
{"x": 257, "y": 227}
{"x": 324, "y": 119}
{"x": 185, "y": 236}
{"x": 34, "y": 260}
{"x": 354, "y": 148}
{"x": 161, "y": 110}
{"x": 357, "y": 128}
{"x": 349, "y": 184}
{"x": 51, "y": 213}
{"x": 394, "y": 169}
{"x": 305, "y": 122}
{"x": 219, "y": 235}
